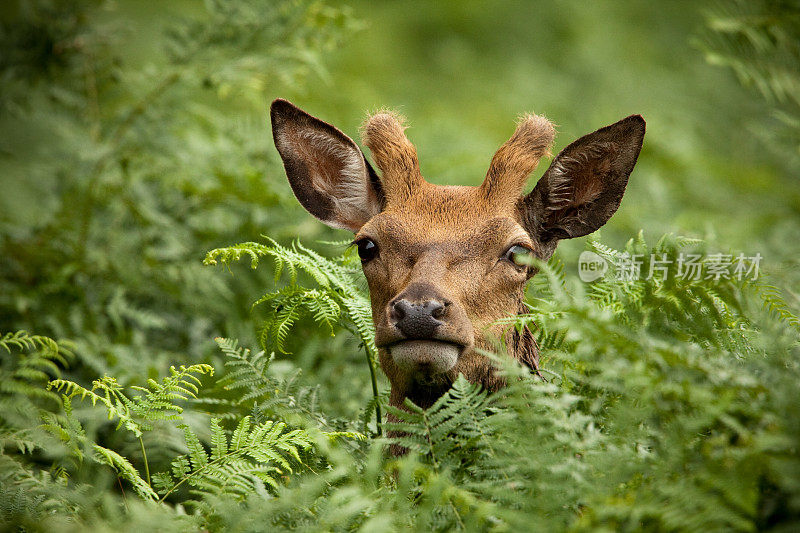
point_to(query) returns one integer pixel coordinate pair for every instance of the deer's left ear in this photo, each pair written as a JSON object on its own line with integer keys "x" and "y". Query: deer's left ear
{"x": 584, "y": 185}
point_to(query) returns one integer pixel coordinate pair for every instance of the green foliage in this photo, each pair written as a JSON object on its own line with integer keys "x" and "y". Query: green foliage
{"x": 118, "y": 170}
{"x": 257, "y": 390}
{"x": 248, "y": 372}
{"x": 663, "y": 302}
{"x": 679, "y": 382}
{"x": 451, "y": 425}
{"x": 23, "y": 373}
{"x": 336, "y": 300}
{"x": 670, "y": 405}
{"x": 27, "y": 364}
{"x": 254, "y": 457}
{"x": 133, "y": 138}
{"x": 760, "y": 42}
{"x": 137, "y": 413}
{"x": 124, "y": 470}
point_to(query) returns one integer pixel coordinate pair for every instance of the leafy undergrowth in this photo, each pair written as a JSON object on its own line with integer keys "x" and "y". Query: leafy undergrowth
{"x": 670, "y": 404}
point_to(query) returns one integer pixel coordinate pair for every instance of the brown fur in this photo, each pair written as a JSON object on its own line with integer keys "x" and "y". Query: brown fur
{"x": 384, "y": 135}
{"x": 450, "y": 238}
{"x": 448, "y": 243}
{"x": 517, "y": 158}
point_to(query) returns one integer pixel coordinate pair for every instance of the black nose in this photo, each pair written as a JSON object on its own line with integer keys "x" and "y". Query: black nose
{"x": 417, "y": 320}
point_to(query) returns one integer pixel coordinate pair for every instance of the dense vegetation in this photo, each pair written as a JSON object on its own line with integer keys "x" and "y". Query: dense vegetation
{"x": 133, "y": 145}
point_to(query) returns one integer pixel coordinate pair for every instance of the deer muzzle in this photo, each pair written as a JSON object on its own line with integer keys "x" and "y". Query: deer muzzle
{"x": 422, "y": 338}
{"x": 426, "y": 357}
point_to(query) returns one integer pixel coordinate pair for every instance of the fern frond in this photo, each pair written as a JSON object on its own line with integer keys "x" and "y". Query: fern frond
{"x": 254, "y": 452}
{"x": 111, "y": 397}
{"x": 230, "y": 254}
{"x": 453, "y": 422}
{"x": 247, "y": 371}
{"x": 34, "y": 360}
{"x": 22, "y": 340}
{"x": 158, "y": 400}
{"x": 336, "y": 301}
{"x": 125, "y": 470}
{"x": 774, "y": 303}
{"x": 136, "y": 414}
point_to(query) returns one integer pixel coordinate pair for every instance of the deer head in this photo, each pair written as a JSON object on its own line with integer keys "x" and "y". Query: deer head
{"x": 445, "y": 263}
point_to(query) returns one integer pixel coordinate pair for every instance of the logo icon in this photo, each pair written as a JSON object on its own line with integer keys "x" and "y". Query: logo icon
{"x": 591, "y": 266}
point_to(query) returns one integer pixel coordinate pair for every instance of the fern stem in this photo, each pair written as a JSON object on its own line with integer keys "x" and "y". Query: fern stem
{"x": 146, "y": 464}
{"x": 429, "y": 440}
{"x": 374, "y": 379}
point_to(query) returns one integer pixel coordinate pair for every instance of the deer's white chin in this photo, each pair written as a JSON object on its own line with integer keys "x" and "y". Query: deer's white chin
{"x": 428, "y": 356}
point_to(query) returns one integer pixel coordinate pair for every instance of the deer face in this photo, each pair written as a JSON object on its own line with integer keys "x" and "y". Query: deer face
{"x": 445, "y": 263}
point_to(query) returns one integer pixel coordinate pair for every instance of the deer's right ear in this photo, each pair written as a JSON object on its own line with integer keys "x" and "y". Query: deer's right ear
{"x": 327, "y": 171}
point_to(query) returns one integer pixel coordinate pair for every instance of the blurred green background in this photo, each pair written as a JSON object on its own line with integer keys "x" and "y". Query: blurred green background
{"x": 134, "y": 137}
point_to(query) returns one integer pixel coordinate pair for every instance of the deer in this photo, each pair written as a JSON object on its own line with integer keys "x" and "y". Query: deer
{"x": 444, "y": 264}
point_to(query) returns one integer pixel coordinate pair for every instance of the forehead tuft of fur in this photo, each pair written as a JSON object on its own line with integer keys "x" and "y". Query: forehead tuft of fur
{"x": 534, "y": 133}
{"x": 384, "y": 134}
{"x": 383, "y": 124}
{"x": 518, "y": 157}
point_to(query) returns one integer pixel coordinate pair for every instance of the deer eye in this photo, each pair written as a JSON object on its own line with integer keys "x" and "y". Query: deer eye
{"x": 519, "y": 255}
{"x": 367, "y": 249}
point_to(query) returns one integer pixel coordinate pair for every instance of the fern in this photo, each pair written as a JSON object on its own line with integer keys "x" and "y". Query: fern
{"x": 665, "y": 303}
{"x": 30, "y": 499}
{"x": 288, "y": 305}
{"x": 248, "y": 371}
{"x": 456, "y": 424}
{"x": 125, "y": 470}
{"x": 247, "y": 374}
{"x": 255, "y": 455}
{"x": 111, "y": 397}
{"x": 29, "y": 363}
{"x": 774, "y": 303}
{"x": 655, "y": 362}
{"x": 136, "y": 413}
{"x": 24, "y": 373}
{"x": 23, "y": 341}
{"x": 70, "y": 431}
{"x": 337, "y": 299}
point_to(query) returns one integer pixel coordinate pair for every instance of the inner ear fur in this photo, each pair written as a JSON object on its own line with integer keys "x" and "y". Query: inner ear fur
{"x": 327, "y": 171}
{"x": 584, "y": 184}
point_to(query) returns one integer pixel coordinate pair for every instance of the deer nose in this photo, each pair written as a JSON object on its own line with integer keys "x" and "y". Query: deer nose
{"x": 417, "y": 320}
